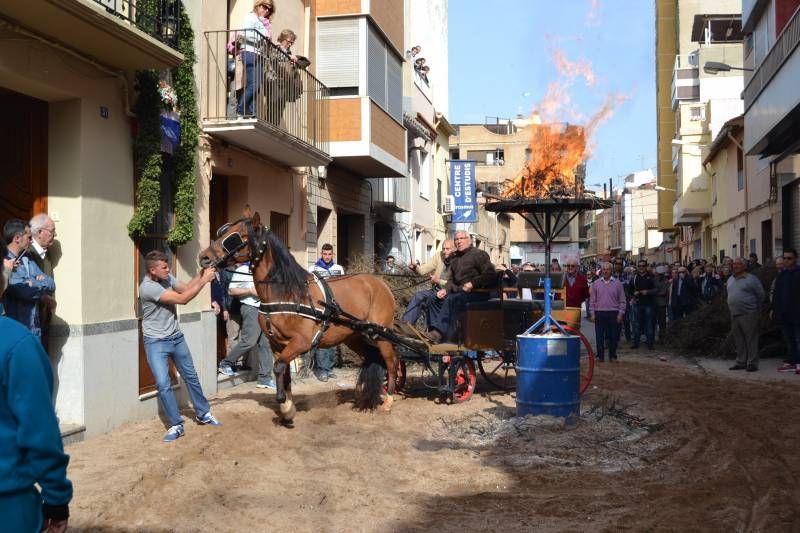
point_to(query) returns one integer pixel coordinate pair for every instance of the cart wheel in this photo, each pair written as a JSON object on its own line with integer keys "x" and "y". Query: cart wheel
{"x": 464, "y": 379}
{"x": 587, "y": 358}
{"x": 500, "y": 371}
{"x": 400, "y": 382}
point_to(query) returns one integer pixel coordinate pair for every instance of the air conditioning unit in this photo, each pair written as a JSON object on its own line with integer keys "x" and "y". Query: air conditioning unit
{"x": 449, "y": 204}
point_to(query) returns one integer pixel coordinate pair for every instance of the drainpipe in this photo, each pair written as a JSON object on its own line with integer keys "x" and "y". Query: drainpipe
{"x": 115, "y": 73}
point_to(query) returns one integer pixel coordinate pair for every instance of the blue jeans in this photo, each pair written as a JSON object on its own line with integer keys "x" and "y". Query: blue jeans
{"x": 606, "y": 330}
{"x": 447, "y": 320}
{"x": 22, "y": 511}
{"x": 159, "y": 352}
{"x": 253, "y": 78}
{"x": 421, "y": 300}
{"x": 644, "y": 320}
{"x": 324, "y": 359}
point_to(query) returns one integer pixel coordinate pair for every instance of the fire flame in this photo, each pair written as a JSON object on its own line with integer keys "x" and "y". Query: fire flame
{"x": 557, "y": 152}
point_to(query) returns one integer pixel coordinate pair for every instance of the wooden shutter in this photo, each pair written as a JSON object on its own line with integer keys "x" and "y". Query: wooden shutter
{"x": 337, "y": 52}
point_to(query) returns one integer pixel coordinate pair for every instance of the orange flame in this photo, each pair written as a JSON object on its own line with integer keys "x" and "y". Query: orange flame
{"x": 557, "y": 152}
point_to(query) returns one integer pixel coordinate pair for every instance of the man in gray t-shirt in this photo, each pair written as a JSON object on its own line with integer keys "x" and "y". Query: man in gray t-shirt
{"x": 159, "y": 294}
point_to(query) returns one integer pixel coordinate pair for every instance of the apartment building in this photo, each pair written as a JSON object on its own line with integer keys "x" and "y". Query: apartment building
{"x": 640, "y": 208}
{"x": 409, "y": 220}
{"x": 701, "y": 102}
{"x": 771, "y": 119}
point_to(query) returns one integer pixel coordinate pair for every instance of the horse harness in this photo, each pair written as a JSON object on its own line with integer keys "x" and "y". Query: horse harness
{"x": 325, "y": 316}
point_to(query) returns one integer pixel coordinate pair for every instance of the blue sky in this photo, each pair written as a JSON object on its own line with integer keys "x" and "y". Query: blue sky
{"x": 500, "y": 65}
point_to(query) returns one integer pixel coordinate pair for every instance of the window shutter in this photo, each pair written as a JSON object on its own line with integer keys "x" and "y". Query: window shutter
{"x": 376, "y": 67}
{"x": 394, "y": 91}
{"x": 337, "y": 52}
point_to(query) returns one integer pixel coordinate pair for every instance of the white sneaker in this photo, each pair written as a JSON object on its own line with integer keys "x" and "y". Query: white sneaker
{"x": 174, "y": 433}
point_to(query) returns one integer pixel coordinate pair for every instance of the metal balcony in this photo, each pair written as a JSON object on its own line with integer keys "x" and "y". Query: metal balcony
{"x": 123, "y": 34}
{"x": 280, "y": 109}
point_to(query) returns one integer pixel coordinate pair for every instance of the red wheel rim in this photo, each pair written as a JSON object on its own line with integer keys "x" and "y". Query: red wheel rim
{"x": 465, "y": 380}
{"x": 588, "y": 371}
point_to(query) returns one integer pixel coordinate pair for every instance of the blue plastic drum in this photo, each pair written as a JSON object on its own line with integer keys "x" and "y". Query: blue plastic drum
{"x": 548, "y": 375}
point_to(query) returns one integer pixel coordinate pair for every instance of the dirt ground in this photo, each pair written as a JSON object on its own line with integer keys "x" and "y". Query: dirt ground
{"x": 663, "y": 444}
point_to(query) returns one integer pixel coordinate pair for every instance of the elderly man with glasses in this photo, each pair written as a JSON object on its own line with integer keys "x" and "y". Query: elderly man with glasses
{"x": 745, "y": 298}
{"x": 577, "y": 286}
{"x": 470, "y": 277}
{"x": 786, "y": 309}
{"x": 683, "y": 294}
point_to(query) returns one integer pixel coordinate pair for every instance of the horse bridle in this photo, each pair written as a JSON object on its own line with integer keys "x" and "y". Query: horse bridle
{"x": 234, "y": 242}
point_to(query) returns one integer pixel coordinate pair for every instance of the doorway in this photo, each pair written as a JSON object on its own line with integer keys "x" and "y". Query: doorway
{"x": 217, "y": 216}
{"x": 349, "y": 239}
{"x": 23, "y": 156}
{"x": 766, "y": 240}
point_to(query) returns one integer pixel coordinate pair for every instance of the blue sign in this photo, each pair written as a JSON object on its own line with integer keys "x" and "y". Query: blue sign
{"x": 462, "y": 187}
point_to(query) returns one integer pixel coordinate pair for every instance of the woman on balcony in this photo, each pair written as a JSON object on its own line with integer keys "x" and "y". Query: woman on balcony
{"x": 252, "y": 40}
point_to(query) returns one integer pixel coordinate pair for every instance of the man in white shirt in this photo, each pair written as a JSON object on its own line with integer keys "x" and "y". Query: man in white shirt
{"x": 325, "y": 267}
{"x": 250, "y": 334}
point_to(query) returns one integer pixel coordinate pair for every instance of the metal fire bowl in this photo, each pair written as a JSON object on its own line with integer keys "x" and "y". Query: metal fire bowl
{"x": 548, "y": 205}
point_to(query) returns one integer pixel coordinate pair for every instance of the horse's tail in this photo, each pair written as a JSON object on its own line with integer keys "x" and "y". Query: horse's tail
{"x": 369, "y": 386}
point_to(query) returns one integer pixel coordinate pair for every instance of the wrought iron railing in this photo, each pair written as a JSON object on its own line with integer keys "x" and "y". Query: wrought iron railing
{"x": 161, "y": 19}
{"x": 244, "y": 75}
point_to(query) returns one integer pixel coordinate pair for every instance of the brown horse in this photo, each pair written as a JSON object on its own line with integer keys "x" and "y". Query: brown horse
{"x": 292, "y": 326}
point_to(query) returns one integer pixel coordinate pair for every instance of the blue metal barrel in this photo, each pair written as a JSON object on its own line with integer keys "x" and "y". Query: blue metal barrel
{"x": 548, "y": 375}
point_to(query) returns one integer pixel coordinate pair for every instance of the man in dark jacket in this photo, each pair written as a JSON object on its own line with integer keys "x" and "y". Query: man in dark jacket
{"x": 786, "y": 309}
{"x": 643, "y": 292}
{"x": 684, "y": 294}
{"x": 471, "y": 275}
{"x": 710, "y": 284}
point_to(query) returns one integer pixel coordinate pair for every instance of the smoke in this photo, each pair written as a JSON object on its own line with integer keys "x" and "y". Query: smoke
{"x": 593, "y": 14}
{"x": 573, "y": 69}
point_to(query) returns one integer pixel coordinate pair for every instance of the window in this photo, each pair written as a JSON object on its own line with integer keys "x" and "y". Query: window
{"x": 739, "y": 169}
{"x": 438, "y": 199}
{"x": 696, "y": 113}
{"x": 454, "y": 155}
{"x": 487, "y": 157}
{"x": 279, "y": 225}
{"x": 425, "y": 175}
{"x": 337, "y": 55}
{"x": 384, "y": 75}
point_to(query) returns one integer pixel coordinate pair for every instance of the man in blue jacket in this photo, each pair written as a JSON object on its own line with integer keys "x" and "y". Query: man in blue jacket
{"x": 31, "y": 452}
{"x": 786, "y": 309}
{"x": 28, "y": 285}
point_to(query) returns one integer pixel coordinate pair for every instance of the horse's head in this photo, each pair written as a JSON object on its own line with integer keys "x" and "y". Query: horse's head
{"x": 234, "y": 244}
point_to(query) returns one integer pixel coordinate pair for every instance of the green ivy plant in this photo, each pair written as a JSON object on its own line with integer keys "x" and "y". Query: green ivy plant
{"x": 147, "y": 145}
{"x": 147, "y": 153}
{"x": 186, "y": 155}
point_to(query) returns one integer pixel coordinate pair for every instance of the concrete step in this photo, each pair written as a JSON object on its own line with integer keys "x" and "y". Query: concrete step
{"x": 72, "y": 433}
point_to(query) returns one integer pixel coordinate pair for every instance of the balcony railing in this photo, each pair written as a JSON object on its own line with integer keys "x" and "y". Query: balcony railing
{"x": 246, "y": 76}
{"x": 161, "y": 19}
{"x": 780, "y": 51}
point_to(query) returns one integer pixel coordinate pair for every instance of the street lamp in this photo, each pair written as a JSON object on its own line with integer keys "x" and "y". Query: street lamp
{"x": 715, "y": 67}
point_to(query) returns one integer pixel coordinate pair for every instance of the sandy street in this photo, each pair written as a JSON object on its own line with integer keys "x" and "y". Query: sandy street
{"x": 702, "y": 449}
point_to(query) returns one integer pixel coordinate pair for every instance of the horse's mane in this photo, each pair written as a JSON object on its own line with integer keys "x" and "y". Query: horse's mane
{"x": 287, "y": 278}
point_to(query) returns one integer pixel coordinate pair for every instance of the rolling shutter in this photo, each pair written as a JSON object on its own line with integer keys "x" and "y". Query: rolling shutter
{"x": 337, "y": 52}
{"x": 394, "y": 78}
{"x": 376, "y": 67}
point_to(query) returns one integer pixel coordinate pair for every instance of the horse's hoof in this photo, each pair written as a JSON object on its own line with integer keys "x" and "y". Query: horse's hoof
{"x": 288, "y": 411}
{"x": 387, "y": 403}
